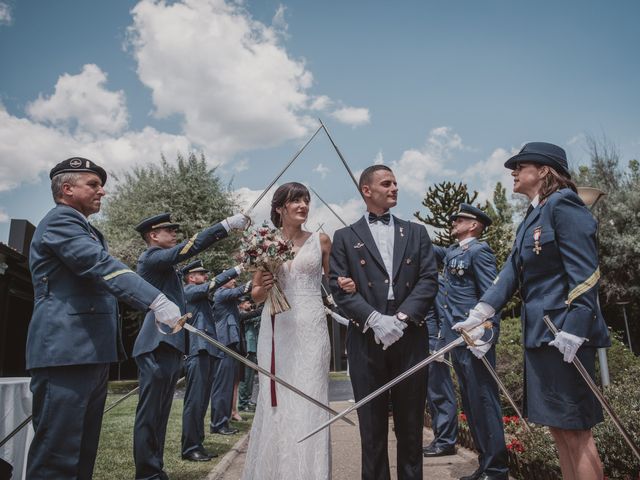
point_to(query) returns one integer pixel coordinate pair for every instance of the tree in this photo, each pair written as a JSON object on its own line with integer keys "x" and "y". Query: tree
{"x": 618, "y": 215}
{"x": 501, "y": 233}
{"x": 188, "y": 189}
{"x": 441, "y": 201}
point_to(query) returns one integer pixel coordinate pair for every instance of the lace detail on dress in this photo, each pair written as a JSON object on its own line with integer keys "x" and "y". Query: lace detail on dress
{"x": 302, "y": 355}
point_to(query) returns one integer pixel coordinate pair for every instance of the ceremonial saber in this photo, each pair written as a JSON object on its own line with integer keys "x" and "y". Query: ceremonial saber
{"x": 501, "y": 386}
{"x": 329, "y": 207}
{"x": 599, "y": 395}
{"x": 266, "y": 190}
{"x": 258, "y": 368}
{"x": 132, "y": 392}
{"x": 418, "y": 366}
{"x": 344, "y": 162}
{"x": 24, "y": 423}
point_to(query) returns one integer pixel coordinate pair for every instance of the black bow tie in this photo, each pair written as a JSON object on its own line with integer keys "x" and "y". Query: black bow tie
{"x": 384, "y": 218}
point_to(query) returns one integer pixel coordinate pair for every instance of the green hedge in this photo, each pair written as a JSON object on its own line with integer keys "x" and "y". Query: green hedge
{"x": 536, "y": 452}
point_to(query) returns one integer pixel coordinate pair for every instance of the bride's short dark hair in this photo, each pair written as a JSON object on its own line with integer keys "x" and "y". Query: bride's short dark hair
{"x": 286, "y": 193}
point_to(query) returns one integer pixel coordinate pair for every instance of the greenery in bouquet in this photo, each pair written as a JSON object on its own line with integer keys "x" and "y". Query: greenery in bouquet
{"x": 264, "y": 249}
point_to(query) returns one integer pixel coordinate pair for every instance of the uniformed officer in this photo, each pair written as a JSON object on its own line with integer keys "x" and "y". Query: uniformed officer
{"x": 441, "y": 396}
{"x": 158, "y": 356}
{"x": 74, "y": 333}
{"x": 227, "y": 318}
{"x": 202, "y": 358}
{"x": 469, "y": 267}
{"x": 250, "y": 323}
{"x": 554, "y": 264}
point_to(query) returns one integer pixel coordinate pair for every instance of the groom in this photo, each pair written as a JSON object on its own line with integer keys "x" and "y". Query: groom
{"x": 394, "y": 269}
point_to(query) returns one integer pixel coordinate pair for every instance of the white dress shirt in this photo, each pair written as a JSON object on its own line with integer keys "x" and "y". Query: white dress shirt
{"x": 383, "y": 236}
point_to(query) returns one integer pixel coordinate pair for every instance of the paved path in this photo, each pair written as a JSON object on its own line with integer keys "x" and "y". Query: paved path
{"x": 345, "y": 444}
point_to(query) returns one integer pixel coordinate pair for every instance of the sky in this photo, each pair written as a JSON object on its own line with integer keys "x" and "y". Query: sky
{"x": 437, "y": 90}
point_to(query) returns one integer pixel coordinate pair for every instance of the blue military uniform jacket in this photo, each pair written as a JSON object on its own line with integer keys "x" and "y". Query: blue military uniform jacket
{"x": 198, "y": 298}
{"x": 77, "y": 285}
{"x": 227, "y": 315}
{"x": 468, "y": 271}
{"x": 156, "y": 265}
{"x": 554, "y": 263}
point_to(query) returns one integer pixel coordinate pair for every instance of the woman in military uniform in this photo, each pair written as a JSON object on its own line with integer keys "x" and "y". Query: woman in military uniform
{"x": 554, "y": 264}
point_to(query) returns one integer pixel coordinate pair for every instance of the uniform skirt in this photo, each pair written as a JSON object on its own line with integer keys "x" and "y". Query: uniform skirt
{"x": 555, "y": 393}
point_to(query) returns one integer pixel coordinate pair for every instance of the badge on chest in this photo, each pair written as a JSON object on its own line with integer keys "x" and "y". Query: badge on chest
{"x": 537, "y": 232}
{"x": 457, "y": 267}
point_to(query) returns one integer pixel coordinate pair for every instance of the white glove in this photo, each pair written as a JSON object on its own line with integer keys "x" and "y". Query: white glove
{"x": 568, "y": 344}
{"x": 165, "y": 310}
{"x": 477, "y": 315}
{"x": 238, "y": 222}
{"x": 439, "y": 358}
{"x": 387, "y": 328}
{"x": 480, "y": 350}
{"x": 239, "y": 268}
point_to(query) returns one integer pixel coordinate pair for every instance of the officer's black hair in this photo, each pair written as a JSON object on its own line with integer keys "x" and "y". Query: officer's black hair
{"x": 367, "y": 174}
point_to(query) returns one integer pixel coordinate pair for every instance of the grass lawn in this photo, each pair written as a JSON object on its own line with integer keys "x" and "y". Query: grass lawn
{"x": 115, "y": 453}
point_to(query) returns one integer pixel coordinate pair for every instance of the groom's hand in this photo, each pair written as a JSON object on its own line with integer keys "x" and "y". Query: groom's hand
{"x": 347, "y": 284}
{"x": 387, "y": 328}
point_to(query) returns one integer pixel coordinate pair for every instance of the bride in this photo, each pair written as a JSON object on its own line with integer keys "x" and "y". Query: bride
{"x": 296, "y": 343}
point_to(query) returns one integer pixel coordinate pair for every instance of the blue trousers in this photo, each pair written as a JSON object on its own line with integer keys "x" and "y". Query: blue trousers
{"x": 68, "y": 403}
{"x": 201, "y": 369}
{"x": 158, "y": 373}
{"x": 441, "y": 400}
{"x": 222, "y": 393}
{"x": 481, "y": 405}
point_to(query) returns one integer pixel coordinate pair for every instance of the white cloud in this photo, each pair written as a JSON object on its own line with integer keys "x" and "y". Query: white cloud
{"x": 241, "y": 165}
{"x": 82, "y": 104}
{"x": 279, "y": 22}
{"x": 352, "y": 116}
{"x": 322, "y": 170}
{"x": 28, "y": 149}
{"x": 419, "y": 167}
{"x": 231, "y": 79}
{"x": 379, "y": 158}
{"x": 6, "y": 17}
{"x": 4, "y": 217}
{"x": 321, "y": 102}
{"x": 482, "y": 176}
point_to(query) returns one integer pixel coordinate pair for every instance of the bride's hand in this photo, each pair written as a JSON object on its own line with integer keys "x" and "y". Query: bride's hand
{"x": 347, "y": 284}
{"x": 267, "y": 281}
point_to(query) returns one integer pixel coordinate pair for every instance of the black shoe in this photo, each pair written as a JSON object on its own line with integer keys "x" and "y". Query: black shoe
{"x": 474, "y": 476}
{"x": 439, "y": 451}
{"x": 486, "y": 476}
{"x": 226, "y": 431}
{"x": 196, "y": 456}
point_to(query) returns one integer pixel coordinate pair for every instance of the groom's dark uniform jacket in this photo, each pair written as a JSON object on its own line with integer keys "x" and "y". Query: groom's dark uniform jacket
{"x": 414, "y": 280}
{"x": 414, "y": 284}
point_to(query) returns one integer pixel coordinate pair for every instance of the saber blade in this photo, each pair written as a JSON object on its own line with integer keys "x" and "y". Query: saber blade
{"x": 387, "y": 386}
{"x": 258, "y": 368}
{"x": 344, "y": 162}
{"x": 599, "y": 395}
{"x": 266, "y": 190}
{"x": 328, "y": 206}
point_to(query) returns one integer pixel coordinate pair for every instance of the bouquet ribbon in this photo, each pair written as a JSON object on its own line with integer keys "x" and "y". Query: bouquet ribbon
{"x": 274, "y": 400}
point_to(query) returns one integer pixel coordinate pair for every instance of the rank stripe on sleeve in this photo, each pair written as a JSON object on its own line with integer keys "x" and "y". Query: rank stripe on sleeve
{"x": 588, "y": 284}
{"x": 189, "y": 244}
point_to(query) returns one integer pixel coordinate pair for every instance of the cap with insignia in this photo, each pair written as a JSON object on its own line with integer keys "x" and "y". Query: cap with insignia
{"x": 541, "y": 153}
{"x": 469, "y": 211}
{"x": 195, "y": 266}
{"x": 244, "y": 298}
{"x": 77, "y": 165}
{"x": 162, "y": 220}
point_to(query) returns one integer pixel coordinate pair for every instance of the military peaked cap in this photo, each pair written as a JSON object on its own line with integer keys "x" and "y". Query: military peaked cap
{"x": 162, "y": 220}
{"x": 469, "y": 211}
{"x": 195, "y": 266}
{"x": 541, "y": 153}
{"x": 77, "y": 165}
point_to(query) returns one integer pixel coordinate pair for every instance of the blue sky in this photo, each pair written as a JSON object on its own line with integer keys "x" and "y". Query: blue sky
{"x": 437, "y": 90}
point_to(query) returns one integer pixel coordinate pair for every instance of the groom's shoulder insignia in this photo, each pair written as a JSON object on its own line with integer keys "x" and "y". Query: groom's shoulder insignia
{"x": 358, "y": 245}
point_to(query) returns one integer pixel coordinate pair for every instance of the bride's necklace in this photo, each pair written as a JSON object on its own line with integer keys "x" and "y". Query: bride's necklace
{"x": 294, "y": 238}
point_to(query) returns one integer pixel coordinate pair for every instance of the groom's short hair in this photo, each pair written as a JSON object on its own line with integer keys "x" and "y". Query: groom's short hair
{"x": 367, "y": 174}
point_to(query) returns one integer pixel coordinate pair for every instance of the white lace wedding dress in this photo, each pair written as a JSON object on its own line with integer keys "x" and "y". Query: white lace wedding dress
{"x": 302, "y": 355}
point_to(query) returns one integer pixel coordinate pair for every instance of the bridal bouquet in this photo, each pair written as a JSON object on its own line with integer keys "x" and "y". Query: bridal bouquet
{"x": 264, "y": 249}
